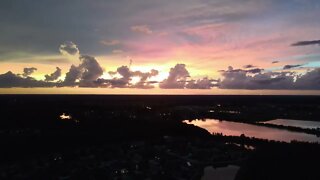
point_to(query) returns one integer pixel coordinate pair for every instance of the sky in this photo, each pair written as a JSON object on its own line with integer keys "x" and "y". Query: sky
{"x": 160, "y": 47}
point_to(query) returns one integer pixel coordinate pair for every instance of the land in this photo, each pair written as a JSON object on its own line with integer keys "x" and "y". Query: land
{"x": 141, "y": 137}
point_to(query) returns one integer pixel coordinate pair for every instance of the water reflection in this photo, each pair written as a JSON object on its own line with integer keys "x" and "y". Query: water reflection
{"x": 236, "y": 129}
{"x": 295, "y": 123}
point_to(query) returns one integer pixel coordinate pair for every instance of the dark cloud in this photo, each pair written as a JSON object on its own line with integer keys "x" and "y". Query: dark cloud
{"x": 53, "y": 76}
{"x": 270, "y": 80}
{"x": 255, "y": 70}
{"x": 72, "y": 75}
{"x": 143, "y": 83}
{"x": 309, "y": 81}
{"x": 243, "y": 80}
{"x": 91, "y": 70}
{"x": 28, "y": 71}
{"x": 9, "y": 80}
{"x": 69, "y": 48}
{"x": 248, "y": 66}
{"x": 204, "y": 83}
{"x": 231, "y": 70}
{"x": 86, "y": 73}
{"x": 177, "y": 78}
{"x": 275, "y": 62}
{"x": 306, "y": 43}
{"x": 292, "y": 66}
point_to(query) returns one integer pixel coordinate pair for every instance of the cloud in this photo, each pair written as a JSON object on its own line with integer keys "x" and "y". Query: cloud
{"x": 143, "y": 83}
{"x": 275, "y": 62}
{"x": 177, "y": 78}
{"x": 85, "y": 74}
{"x": 204, "y": 83}
{"x": 270, "y": 80}
{"x": 252, "y": 71}
{"x": 126, "y": 76}
{"x": 255, "y": 70}
{"x": 306, "y": 43}
{"x": 90, "y": 70}
{"x": 310, "y": 80}
{"x": 110, "y": 43}
{"x": 291, "y": 66}
{"x": 69, "y": 48}
{"x": 72, "y": 75}
{"x": 9, "y": 80}
{"x": 28, "y": 71}
{"x": 53, "y": 76}
{"x": 141, "y": 29}
{"x": 241, "y": 79}
{"x": 248, "y": 66}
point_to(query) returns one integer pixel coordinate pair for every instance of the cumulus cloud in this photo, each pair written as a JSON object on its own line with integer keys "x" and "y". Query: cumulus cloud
{"x": 85, "y": 74}
{"x": 292, "y": 66}
{"x": 241, "y": 79}
{"x": 306, "y": 43}
{"x": 126, "y": 76}
{"x": 310, "y": 80}
{"x": 144, "y": 76}
{"x": 69, "y": 48}
{"x": 72, "y": 75}
{"x": 88, "y": 74}
{"x": 53, "y": 76}
{"x": 28, "y": 71}
{"x": 237, "y": 79}
{"x": 144, "y": 29}
{"x": 177, "y": 78}
{"x": 90, "y": 70}
{"x": 9, "y": 80}
{"x": 204, "y": 83}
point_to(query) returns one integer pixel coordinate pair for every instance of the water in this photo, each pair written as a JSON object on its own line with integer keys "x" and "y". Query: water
{"x": 236, "y": 129}
{"x": 295, "y": 123}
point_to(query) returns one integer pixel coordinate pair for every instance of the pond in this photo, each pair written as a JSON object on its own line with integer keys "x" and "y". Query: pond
{"x": 236, "y": 129}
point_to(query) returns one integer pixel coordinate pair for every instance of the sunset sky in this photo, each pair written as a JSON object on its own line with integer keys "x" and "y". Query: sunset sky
{"x": 160, "y": 46}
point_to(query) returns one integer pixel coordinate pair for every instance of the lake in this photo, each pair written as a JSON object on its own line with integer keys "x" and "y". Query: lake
{"x": 236, "y": 129}
{"x": 295, "y": 123}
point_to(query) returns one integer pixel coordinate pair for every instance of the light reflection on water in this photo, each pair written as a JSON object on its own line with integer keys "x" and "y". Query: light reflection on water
{"x": 295, "y": 123}
{"x": 236, "y": 129}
